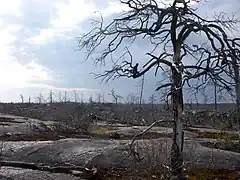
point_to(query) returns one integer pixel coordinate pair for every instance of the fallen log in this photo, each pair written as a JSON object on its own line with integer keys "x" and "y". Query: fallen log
{"x": 74, "y": 170}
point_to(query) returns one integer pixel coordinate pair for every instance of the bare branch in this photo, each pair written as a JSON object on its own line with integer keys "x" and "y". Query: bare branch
{"x": 132, "y": 150}
{"x": 163, "y": 86}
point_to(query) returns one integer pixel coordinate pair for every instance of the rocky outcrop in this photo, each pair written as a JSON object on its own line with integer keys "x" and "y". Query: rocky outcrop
{"x": 114, "y": 153}
{"x": 69, "y": 158}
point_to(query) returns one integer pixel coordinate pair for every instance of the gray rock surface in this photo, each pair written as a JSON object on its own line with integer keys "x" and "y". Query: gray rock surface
{"x": 103, "y": 153}
{"x": 9, "y": 173}
{"x": 18, "y": 127}
{"x": 107, "y": 153}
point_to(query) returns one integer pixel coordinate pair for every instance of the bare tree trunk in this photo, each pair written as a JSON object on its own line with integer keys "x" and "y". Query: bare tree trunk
{"x": 60, "y": 96}
{"x": 237, "y": 89}
{"x": 205, "y": 97}
{"x": 99, "y": 98}
{"x": 141, "y": 93}
{"x": 82, "y": 97}
{"x": 177, "y": 104}
{"x": 51, "y": 97}
{"x": 115, "y": 96}
{"x": 197, "y": 103}
{"x": 65, "y": 96}
{"x": 237, "y": 85}
{"x": 103, "y": 99}
{"x": 177, "y": 146}
{"x": 238, "y": 102}
{"x": 75, "y": 96}
{"x": 22, "y": 98}
{"x": 215, "y": 96}
{"x": 40, "y": 98}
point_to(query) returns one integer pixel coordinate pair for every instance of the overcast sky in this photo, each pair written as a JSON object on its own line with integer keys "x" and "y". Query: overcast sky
{"x": 38, "y": 47}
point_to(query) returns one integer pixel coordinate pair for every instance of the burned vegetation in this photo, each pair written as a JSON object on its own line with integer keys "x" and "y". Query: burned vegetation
{"x": 135, "y": 140}
{"x": 167, "y": 28}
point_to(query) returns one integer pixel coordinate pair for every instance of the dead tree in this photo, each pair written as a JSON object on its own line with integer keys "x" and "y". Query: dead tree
{"x": 103, "y": 98}
{"x": 205, "y": 96}
{"x": 90, "y": 100}
{"x": 139, "y": 96}
{"x": 236, "y": 68}
{"x": 99, "y": 98}
{"x": 167, "y": 29}
{"x": 60, "y": 97}
{"x": 75, "y": 96}
{"x": 65, "y": 96}
{"x": 152, "y": 101}
{"x": 230, "y": 63}
{"x": 115, "y": 96}
{"x": 40, "y": 98}
{"x": 141, "y": 91}
{"x": 82, "y": 98}
{"x": 215, "y": 97}
{"x": 232, "y": 70}
{"x": 131, "y": 99}
{"x": 22, "y": 98}
{"x": 215, "y": 90}
{"x": 51, "y": 96}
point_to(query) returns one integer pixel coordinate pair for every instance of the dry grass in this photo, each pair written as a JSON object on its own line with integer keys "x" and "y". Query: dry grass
{"x": 212, "y": 174}
{"x": 163, "y": 174}
{"x": 214, "y": 135}
{"x": 103, "y": 130}
{"x": 219, "y": 135}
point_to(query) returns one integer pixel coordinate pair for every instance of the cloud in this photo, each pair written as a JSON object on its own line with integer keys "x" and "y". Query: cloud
{"x": 22, "y": 70}
{"x": 11, "y": 7}
{"x": 12, "y": 73}
{"x": 69, "y": 16}
{"x": 53, "y": 88}
{"x": 38, "y": 47}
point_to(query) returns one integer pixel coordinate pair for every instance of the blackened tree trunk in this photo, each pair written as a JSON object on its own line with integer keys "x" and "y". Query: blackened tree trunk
{"x": 237, "y": 88}
{"x": 177, "y": 145}
{"x": 177, "y": 104}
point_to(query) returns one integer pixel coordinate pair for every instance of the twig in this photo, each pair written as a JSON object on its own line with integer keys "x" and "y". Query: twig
{"x": 132, "y": 150}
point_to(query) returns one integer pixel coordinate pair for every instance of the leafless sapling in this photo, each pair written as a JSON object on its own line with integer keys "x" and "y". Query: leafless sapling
{"x": 115, "y": 96}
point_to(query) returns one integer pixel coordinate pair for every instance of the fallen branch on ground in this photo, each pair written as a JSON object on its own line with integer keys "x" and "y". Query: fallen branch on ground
{"x": 66, "y": 169}
{"x": 132, "y": 149}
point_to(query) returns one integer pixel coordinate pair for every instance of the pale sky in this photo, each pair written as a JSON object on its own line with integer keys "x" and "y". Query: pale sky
{"x": 38, "y": 47}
